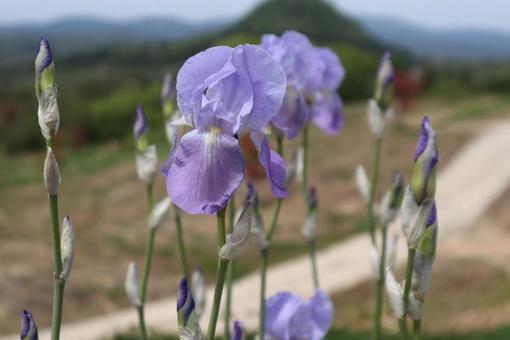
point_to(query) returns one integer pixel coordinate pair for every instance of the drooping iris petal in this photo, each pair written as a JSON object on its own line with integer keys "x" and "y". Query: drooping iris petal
{"x": 279, "y": 310}
{"x": 207, "y": 168}
{"x": 273, "y": 163}
{"x": 268, "y": 83}
{"x": 321, "y": 312}
{"x": 197, "y": 73}
{"x": 293, "y": 114}
{"x": 327, "y": 112}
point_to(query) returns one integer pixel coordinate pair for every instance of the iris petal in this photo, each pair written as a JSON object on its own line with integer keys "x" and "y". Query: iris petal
{"x": 293, "y": 114}
{"x": 273, "y": 164}
{"x": 321, "y": 310}
{"x": 279, "y": 311}
{"x": 327, "y": 113}
{"x": 207, "y": 168}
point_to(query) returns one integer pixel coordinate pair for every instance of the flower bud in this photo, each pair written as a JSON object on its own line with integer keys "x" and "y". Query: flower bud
{"x": 363, "y": 183}
{"x": 159, "y": 213}
{"x": 132, "y": 285}
{"x": 189, "y": 329}
{"x": 384, "y": 81}
{"x": 311, "y": 199}
{"x": 295, "y": 167}
{"x": 51, "y": 173}
{"x": 198, "y": 291}
{"x": 167, "y": 94}
{"x": 426, "y": 157}
{"x": 147, "y": 164}
{"x": 376, "y": 119}
{"x": 414, "y": 309}
{"x": 391, "y": 201}
{"x": 236, "y": 241}
{"x": 140, "y": 129}
{"x": 310, "y": 227}
{"x": 414, "y": 218}
{"x": 395, "y": 294}
{"x": 67, "y": 246}
{"x": 28, "y": 327}
{"x": 238, "y": 331}
{"x": 391, "y": 259}
{"x": 46, "y": 91}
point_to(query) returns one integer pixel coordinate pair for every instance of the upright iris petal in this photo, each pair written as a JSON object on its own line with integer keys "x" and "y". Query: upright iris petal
{"x": 223, "y": 93}
{"x": 313, "y": 76}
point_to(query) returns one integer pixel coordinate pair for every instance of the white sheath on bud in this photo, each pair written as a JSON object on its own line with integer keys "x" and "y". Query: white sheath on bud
{"x": 363, "y": 183}
{"x": 310, "y": 227}
{"x": 395, "y": 294}
{"x": 414, "y": 309}
{"x": 414, "y": 218}
{"x": 376, "y": 119}
{"x": 51, "y": 173}
{"x": 295, "y": 167}
{"x": 159, "y": 213}
{"x": 391, "y": 258}
{"x": 236, "y": 241}
{"x": 132, "y": 285}
{"x": 147, "y": 164}
{"x": 258, "y": 233}
{"x": 385, "y": 212}
{"x": 67, "y": 247}
{"x": 198, "y": 292}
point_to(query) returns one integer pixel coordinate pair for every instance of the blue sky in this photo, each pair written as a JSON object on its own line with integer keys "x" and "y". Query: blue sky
{"x": 490, "y": 14}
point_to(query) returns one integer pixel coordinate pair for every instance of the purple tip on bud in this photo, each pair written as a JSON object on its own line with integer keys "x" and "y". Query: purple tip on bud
{"x": 140, "y": 123}
{"x": 386, "y": 70}
{"x": 168, "y": 89}
{"x": 185, "y": 302}
{"x": 182, "y": 294}
{"x": 44, "y": 55}
{"x": 28, "y": 328}
{"x": 424, "y": 137}
{"x": 311, "y": 199}
{"x": 431, "y": 219}
{"x": 238, "y": 331}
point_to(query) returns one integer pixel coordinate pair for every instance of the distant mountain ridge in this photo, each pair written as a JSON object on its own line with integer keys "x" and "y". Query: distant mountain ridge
{"x": 464, "y": 44}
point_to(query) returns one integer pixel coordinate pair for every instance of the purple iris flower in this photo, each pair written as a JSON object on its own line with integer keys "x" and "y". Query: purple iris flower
{"x": 313, "y": 76}
{"x": 223, "y": 93}
{"x": 140, "y": 123}
{"x": 288, "y": 317}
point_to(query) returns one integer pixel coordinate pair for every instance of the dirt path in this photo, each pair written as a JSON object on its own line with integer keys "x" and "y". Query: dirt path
{"x": 474, "y": 179}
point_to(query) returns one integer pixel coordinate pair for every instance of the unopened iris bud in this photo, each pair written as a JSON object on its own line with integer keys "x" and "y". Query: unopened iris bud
{"x": 189, "y": 329}
{"x": 28, "y": 327}
{"x": 51, "y": 173}
{"x": 414, "y": 218}
{"x": 376, "y": 119}
{"x": 238, "y": 331}
{"x": 46, "y": 91}
{"x": 236, "y": 241}
{"x": 363, "y": 183}
{"x": 140, "y": 129}
{"x": 395, "y": 294}
{"x": 311, "y": 199}
{"x": 147, "y": 164}
{"x": 384, "y": 81}
{"x": 167, "y": 94}
{"x": 310, "y": 227}
{"x": 198, "y": 291}
{"x": 295, "y": 167}
{"x": 132, "y": 285}
{"x": 391, "y": 259}
{"x": 414, "y": 309}
{"x": 426, "y": 157}
{"x": 159, "y": 213}
{"x": 67, "y": 246}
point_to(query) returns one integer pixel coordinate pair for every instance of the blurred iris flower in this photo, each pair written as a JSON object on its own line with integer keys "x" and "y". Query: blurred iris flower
{"x": 223, "y": 93}
{"x": 313, "y": 77}
{"x": 289, "y": 317}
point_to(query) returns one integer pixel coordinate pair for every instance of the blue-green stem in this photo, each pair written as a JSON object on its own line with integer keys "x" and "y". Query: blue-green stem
{"x": 417, "y": 329}
{"x": 313, "y": 260}
{"x": 379, "y": 287}
{"x": 264, "y": 253}
{"x": 180, "y": 243}
{"x": 147, "y": 267}
{"x": 220, "y": 277}
{"x": 373, "y": 185}
{"x": 230, "y": 272}
{"x": 58, "y": 282}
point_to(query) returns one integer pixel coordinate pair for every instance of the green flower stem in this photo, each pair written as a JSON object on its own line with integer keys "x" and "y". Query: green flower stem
{"x": 147, "y": 267}
{"x": 373, "y": 185}
{"x": 315, "y": 272}
{"x": 402, "y": 326}
{"x": 181, "y": 245}
{"x": 264, "y": 259}
{"x": 220, "y": 278}
{"x": 58, "y": 283}
{"x": 230, "y": 273}
{"x": 304, "y": 144}
{"x": 379, "y": 288}
{"x": 417, "y": 329}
